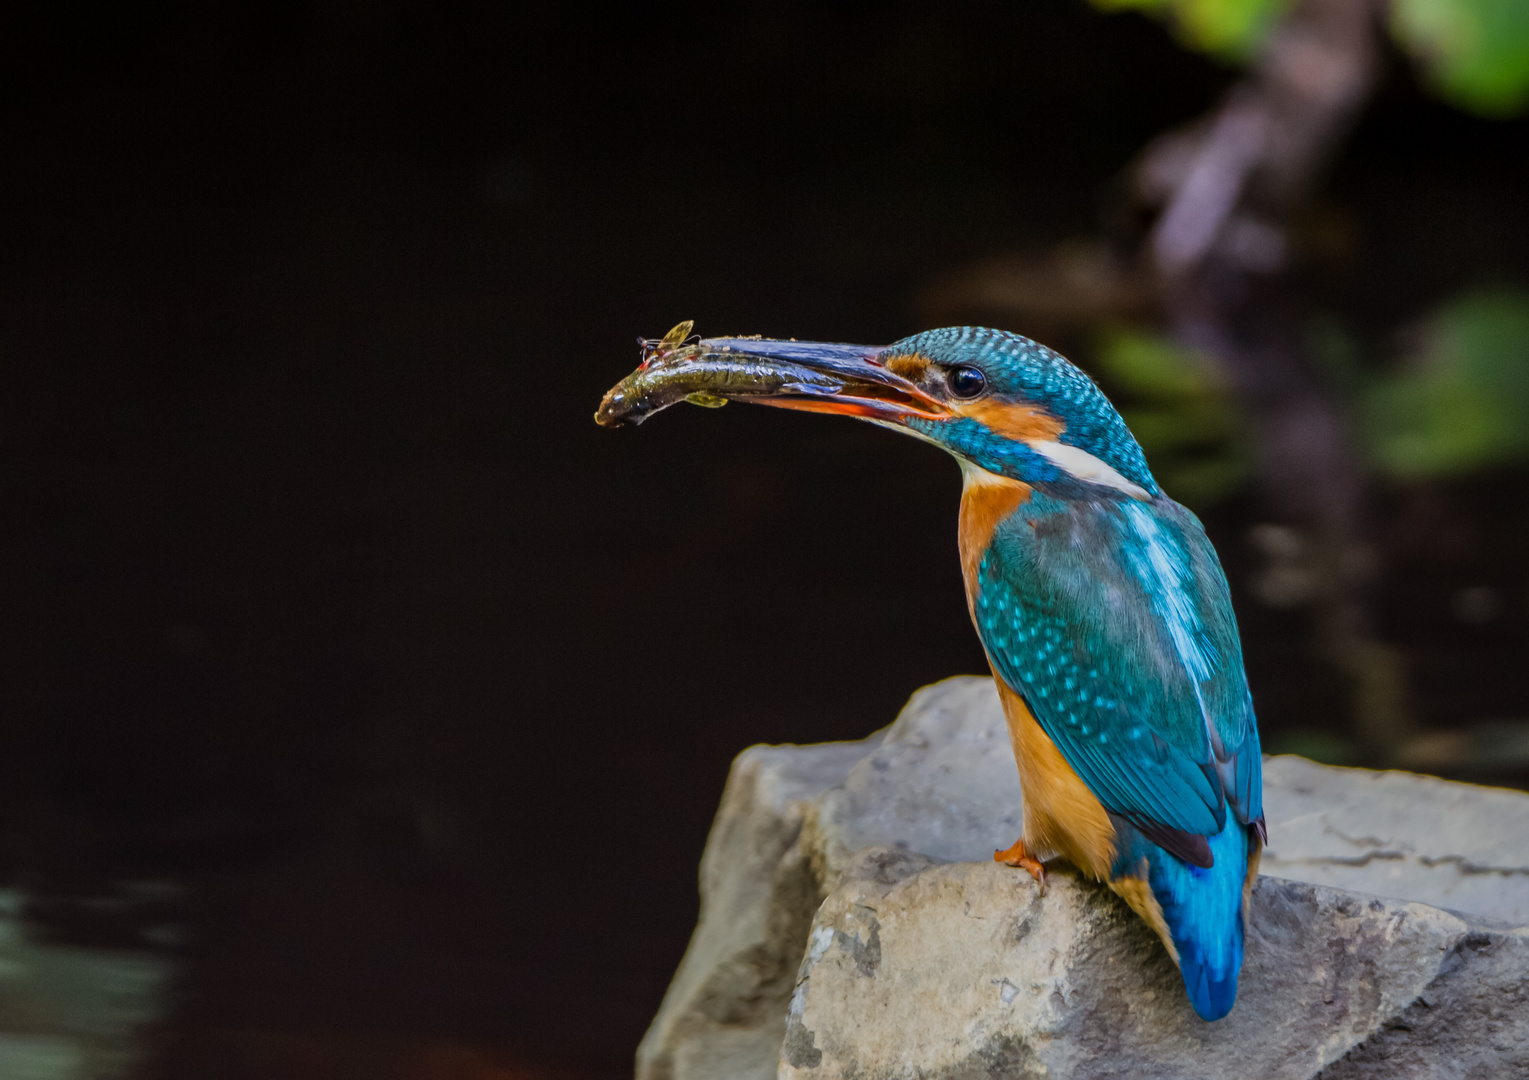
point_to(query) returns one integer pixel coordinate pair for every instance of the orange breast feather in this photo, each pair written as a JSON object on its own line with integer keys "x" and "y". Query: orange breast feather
{"x": 1062, "y": 816}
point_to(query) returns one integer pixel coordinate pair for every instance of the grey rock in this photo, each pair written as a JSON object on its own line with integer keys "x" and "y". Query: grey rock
{"x": 942, "y": 782}
{"x": 968, "y": 970}
{"x": 851, "y": 913}
{"x": 723, "y": 1016}
{"x": 1455, "y": 846}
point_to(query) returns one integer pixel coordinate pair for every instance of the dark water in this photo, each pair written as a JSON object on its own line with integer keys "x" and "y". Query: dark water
{"x": 329, "y": 609}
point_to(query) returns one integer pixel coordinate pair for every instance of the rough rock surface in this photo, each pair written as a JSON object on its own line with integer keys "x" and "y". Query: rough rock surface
{"x": 849, "y": 888}
{"x": 1455, "y": 846}
{"x": 963, "y": 970}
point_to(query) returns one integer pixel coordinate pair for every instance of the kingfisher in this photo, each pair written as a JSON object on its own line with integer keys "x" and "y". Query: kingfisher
{"x": 1100, "y": 603}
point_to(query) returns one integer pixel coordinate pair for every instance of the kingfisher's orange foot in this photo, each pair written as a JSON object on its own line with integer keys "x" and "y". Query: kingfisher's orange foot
{"x": 1020, "y": 856}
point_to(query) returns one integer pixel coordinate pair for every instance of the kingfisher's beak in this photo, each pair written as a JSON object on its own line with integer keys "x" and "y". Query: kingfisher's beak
{"x": 811, "y": 376}
{"x": 849, "y": 379}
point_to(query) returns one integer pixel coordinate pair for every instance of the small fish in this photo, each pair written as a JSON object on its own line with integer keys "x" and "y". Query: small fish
{"x": 708, "y": 373}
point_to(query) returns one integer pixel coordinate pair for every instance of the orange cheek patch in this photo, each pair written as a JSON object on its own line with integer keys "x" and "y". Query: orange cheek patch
{"x": 910, "y": 366}
{"x": 1017, "y": 422}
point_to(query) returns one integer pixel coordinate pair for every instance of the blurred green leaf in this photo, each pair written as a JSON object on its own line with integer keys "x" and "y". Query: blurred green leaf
{"x": 1154, "y": 366}
{"x": 1476, "y": 51}
{"x": 1180, "y": 411}
{"x": 1231, "y": 29}
{"x": 1181, "y": 423}
{"x": 1460, "y": 401}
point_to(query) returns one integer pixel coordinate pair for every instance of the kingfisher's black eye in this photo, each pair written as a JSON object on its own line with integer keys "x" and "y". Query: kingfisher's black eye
{"x": 966, "y": 382}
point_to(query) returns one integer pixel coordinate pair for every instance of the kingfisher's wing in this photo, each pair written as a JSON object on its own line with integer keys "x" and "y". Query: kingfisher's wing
{"x": 1114, "y": 622}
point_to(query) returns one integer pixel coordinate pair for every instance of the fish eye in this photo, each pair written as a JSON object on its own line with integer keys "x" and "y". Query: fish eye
{"x": 966, "y": 381}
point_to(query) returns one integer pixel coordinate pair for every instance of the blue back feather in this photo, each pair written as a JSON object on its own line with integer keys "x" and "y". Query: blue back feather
{"x": 1076, "y": 621}
{"x": 1203, "y": 910}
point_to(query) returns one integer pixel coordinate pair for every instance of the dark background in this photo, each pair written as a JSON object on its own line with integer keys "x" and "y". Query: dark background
{"x": 324, "y": 598}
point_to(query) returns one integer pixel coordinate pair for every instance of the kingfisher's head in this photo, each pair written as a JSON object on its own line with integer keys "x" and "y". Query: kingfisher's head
{"x": 997, "y": 401}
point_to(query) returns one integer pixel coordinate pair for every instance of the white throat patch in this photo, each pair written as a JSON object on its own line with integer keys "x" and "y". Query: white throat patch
{"x": 1081, "y": 465}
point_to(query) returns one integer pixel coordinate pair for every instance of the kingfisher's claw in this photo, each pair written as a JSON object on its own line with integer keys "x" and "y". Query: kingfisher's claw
{"x": 1020, "y": 856}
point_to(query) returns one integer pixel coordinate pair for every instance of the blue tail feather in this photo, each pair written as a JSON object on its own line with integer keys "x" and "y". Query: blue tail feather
{"x": 1203, "y": 911}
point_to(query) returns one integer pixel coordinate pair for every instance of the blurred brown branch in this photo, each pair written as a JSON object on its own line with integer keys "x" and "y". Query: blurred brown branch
{"x": 1228, "y": 187}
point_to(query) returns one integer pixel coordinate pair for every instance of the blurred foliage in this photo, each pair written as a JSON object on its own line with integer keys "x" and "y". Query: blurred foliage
{"x": 1456, "y": 402}
{"x": 1475, "y": 52}
{"x": 1180, "y": 410}
{"x": 1230, "y": 29}
{"x": 1460, "y": 399}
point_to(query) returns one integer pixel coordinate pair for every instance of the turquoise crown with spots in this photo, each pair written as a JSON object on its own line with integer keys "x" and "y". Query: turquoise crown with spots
{"x": 1026, "y": 371}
